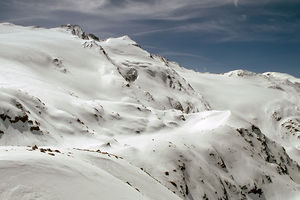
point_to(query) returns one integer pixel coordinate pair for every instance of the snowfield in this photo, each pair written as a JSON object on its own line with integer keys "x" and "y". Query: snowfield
{"x": 83, "y": 118}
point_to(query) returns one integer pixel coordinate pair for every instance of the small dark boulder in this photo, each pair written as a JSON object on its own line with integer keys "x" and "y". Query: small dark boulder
{"x": 131, "y": 75}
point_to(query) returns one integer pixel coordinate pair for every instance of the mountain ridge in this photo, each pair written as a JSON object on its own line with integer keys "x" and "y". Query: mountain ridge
{"x": 133, "y": 125}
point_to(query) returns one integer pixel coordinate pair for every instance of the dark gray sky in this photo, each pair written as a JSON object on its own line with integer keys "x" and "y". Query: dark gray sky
{"x": 206, "y": 35}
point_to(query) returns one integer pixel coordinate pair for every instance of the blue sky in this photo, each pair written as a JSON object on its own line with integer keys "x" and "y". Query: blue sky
{"x": 206, "y": 35}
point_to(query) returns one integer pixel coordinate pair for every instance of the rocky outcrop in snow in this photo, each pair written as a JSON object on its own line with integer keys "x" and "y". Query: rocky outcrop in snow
{"x": 78, "y": 31}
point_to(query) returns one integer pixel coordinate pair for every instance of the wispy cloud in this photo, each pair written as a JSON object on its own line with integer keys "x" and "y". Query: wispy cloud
{"x": 183, "y": 54}
{"x": 219, "y": 20}
{"x": 128, "y": 9}
{"x": 179, "y": 29}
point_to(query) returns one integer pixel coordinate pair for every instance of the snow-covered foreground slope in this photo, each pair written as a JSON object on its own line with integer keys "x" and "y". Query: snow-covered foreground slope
{"x": 87, "y": 119}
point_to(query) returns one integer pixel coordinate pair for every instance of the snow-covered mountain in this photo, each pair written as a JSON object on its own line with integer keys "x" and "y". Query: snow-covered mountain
{"x": 83, "y": 118}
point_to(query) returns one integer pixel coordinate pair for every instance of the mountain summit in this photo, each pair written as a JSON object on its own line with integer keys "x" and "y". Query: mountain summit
{"x": 85, "y": 118}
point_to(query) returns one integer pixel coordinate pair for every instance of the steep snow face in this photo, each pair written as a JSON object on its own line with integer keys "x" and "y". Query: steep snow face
{"x": 210, "y": 158}
{"x": 136, "y": 65}
{"x": 83, "y": 118}
{"x": 84, "y": 88}
{"x": 271, "y": 101}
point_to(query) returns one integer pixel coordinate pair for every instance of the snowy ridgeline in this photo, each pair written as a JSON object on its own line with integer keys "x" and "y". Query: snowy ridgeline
{"x": 83, "y": 118}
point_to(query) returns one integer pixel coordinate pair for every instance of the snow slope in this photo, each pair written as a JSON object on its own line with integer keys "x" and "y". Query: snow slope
{"x": 83, "y": 118}
{"x": 270, "y": 101}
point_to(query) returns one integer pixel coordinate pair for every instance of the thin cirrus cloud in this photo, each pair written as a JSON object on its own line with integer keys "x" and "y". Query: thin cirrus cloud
{"x": 128, "y": 9}
{"x": 142, "y": 17}
{"x": 225, "y": 32}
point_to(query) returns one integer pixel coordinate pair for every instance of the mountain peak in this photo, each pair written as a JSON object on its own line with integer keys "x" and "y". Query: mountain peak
{"x": 240, "y": 73}
{"x": 78, "y": 31}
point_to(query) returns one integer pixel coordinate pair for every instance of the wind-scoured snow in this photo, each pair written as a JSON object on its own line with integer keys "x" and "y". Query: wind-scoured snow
{"x": 83, "y": 118}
